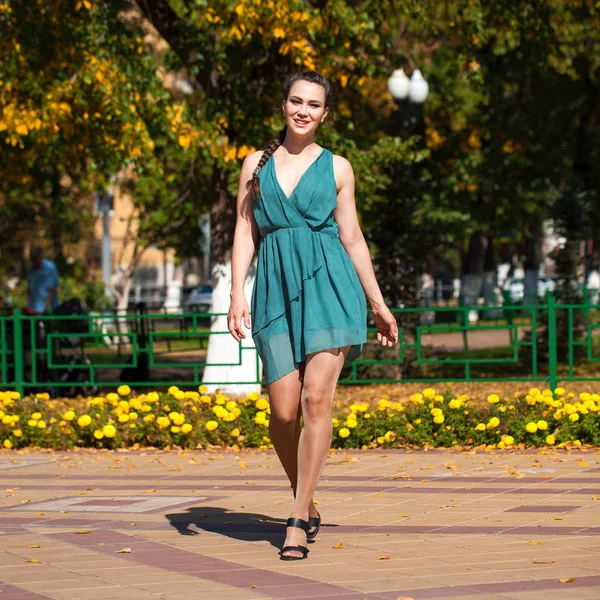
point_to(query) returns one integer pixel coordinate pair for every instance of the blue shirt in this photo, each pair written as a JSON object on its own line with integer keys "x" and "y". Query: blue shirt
{"x": 40, "y": 281}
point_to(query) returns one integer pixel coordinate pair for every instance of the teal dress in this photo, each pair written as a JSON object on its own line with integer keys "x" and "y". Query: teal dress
{"x": 306, "y": 296}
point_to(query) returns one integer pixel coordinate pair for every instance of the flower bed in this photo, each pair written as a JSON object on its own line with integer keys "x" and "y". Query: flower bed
{"x": 195, "y": 419}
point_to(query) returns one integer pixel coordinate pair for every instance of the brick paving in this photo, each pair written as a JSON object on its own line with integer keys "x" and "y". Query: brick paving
{"x": 403, "y": 524}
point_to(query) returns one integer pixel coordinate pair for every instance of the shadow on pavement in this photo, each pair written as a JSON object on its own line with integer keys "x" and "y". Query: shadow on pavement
{"x": 249, "y": 527}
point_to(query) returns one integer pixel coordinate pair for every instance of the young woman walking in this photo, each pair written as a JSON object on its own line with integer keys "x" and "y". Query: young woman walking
{"x": 314, "y": 276}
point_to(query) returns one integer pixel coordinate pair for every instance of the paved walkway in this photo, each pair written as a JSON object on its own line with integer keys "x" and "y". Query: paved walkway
{"x": 207, "y": 525}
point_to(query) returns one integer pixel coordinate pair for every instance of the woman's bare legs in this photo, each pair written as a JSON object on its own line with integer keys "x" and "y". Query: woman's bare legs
{"x": 321, "y": 373}
{"x": 284, "y": 423}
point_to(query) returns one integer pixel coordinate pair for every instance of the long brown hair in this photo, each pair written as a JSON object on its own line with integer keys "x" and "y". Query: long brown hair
{"x": 253, "y": 186}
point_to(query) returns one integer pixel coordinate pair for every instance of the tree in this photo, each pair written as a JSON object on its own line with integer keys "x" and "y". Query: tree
{"x": 237, "y": 55}
{"x": 82, "y": 102}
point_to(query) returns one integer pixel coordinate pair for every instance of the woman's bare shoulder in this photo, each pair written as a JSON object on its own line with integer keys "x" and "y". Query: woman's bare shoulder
{"x": 342, "y": 169}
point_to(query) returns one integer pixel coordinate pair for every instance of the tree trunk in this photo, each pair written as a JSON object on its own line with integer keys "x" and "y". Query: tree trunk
{"x": 233, "y": 362}
{"x": 473, "y": 269}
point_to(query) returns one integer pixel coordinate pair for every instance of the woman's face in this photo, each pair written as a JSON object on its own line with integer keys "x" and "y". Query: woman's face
{"x": 304, "y": 110}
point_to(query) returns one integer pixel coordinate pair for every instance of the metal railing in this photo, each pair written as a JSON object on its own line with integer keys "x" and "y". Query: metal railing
{"x": 82, "y": 353}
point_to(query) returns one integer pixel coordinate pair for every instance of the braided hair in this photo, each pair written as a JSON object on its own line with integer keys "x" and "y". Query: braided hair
{"x": 253, "y": 186}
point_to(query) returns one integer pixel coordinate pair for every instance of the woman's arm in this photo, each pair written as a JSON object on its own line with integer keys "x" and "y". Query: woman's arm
{"x": 245, "y": 241}
{"x": 353, "y": 240}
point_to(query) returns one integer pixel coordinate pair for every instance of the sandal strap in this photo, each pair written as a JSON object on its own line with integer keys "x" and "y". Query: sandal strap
{"x": 315, "y": 521}
{"x": 302, "y": 549}
{"x": 299, "y": 523}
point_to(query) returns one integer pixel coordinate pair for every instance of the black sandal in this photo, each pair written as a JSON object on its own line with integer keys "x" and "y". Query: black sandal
{"x": 313, "y": 522}
{"x": 300, "y": 524}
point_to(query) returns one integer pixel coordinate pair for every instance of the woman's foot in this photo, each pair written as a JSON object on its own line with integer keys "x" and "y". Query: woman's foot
{"x": 295, "y": 536}
{"x": 313, "y": 514}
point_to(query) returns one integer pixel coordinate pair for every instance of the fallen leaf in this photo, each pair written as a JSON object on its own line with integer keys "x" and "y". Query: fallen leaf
{"x": 383, "y": 558}
{"x": 584, "y": 463}
{"x": 378, "y": 495}
{"x": 316, "y": 502}
{"x": 123, "y": 551}
{"x": 405, "y": 598}
{"x": 556, "y": 518}
{"x": 33, "y": 560}
{"x": 543, "y": 562}
{"x": 34, "y": 546}
{"x": 533, "y": 543}
{"x": 595, "y": 498}
{"x": 243, "y": 506}
{"x": 567, "y": 579}
{"x": 252, "y": 586}
{"x": 82, "y": 531}
{"x": 40, "y": 514}
{"x": 338, "y": 546}
{"x": 520, "y": 476}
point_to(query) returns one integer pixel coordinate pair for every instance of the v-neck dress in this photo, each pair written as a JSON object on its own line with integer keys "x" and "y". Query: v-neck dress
{"x": 306, "y": 296}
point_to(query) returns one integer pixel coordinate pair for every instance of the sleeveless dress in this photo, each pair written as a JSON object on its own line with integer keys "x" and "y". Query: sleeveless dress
{"x": 306, "y": 296}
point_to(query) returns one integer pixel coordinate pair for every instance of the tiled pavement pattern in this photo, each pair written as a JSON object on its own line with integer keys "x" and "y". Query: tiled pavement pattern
{"x": 207, "y": 525}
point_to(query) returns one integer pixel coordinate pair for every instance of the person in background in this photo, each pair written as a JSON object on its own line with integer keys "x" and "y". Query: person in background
{"x": 42, "y": 282}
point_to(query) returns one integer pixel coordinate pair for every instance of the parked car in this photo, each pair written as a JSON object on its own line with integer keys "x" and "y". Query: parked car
{"x": 199, "y": 300}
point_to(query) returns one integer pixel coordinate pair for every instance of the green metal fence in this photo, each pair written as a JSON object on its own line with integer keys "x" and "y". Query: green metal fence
{"x": 82, "y": 353}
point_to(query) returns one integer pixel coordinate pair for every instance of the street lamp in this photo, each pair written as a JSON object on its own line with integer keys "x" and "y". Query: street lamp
{"x": 410, "y": 95}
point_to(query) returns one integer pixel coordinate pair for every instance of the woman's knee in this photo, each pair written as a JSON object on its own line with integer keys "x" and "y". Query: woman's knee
{"x": 286, "y": 418}
{"x": 316, "y": 403}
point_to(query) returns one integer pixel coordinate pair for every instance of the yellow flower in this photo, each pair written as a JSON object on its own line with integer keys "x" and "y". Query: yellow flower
{"x": 574, "y": 417}
{"x": 559, "y": 391}
{"x": 584, "y": 396}
{"x": 109, "y": 431}
{"x": 149, "y": 418}
{"x": 429, "y": 393}
{"x": 8, "y": 444}
{"x": 480, "y": 427}
{"x": 41, "y": 424}
{"x": 261, "y": 404}
{"x": 153, "y": 397}
{"x": 17, "y": 433}
{"x": 417, "y": 421}
{"x": 112, "y": 397}
{"x": 253, "y": 396}
{"x": 123, "y": 418}
{"x": 171, "y": 391}
{"x": 351, "y": 423}
{"x": 454, "y": 403}
{"x": 508, "y": 440}
{"x": 69, "y": 415}
{"x": 417, "y": 399}
{"x": 493, "y": 422}
{"x": 235, "y": 432}
{"x": 531, "y": 427}
{"x": 98, "y": 434}
{"x": 436, "y": 411}
{"x": 534, "y": 392}
{"x": 390, "y": 436}
{"x": 84, "y": 420}
{"x": 542, "y": 425}
{"x": 133, "y": 416}
{"x": 335, "y": 422}
{"x": 493, "y": 399}
{"x": 163, "y": 422}
{"x": 344, "y": 432}
{"x": 203, "y": 389}
{"x": 32, "y": 423}
{"x": 211, "y": 425}
{"x": 186, "y": 428}
{"x": 123, "y": 390}
{"x": 439, "y": 419}
{"x": 177, "y": 418}
{"x": 206, "y": 399}
{"x": 550, "y": 440}
{"x": 175, "y": 429}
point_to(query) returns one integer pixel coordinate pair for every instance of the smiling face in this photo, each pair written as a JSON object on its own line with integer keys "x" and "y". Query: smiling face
{"x": 304, "y": 109}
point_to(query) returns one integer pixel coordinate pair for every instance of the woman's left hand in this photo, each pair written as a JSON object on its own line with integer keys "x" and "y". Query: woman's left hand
{"x": 387, "y": 328}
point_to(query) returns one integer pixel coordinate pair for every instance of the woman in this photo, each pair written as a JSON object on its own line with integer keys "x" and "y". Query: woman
{"x": 308, "y": 303}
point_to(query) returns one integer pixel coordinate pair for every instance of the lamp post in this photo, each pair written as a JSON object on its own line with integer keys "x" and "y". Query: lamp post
{"x": 406, "y": 256}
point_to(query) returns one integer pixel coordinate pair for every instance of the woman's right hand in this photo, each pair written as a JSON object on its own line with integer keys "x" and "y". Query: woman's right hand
{"x": 238, "y": 310}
